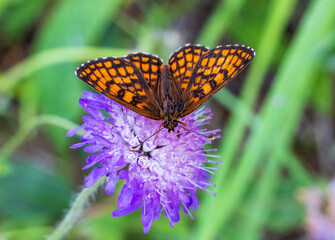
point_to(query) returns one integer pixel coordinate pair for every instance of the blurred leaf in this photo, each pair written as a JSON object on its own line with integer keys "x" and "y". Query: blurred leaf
{"x": 256, "y": 14}
{"x": 275, "y": 22}
{"x": 152, "y": 34}
{"x": 279, "y": 117}
{"x": 218, "y": 23}
{"x": 6, "y": 4}
{"x": 56, "y": 89}
{"x": 32, "y": 229}
{"x": 48, "y": 58}
{"x": 285, "y": 212}
{"x": 130, "y": 226}
{"x": 30, "y": 191}
{"x": 25, "y": 131}
{"x": 20, "y": 17}
{"x": 105, "y": 226}
{"x": 323, "y": 99}
{"x": 274, "y": 193}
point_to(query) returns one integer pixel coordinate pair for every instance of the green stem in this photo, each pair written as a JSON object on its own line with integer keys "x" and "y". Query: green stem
{"x": 25, "y": 130}
{"x": 76, "y": 210}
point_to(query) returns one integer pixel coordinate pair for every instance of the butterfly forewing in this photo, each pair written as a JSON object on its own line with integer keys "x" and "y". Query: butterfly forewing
{"x": 121, "y": 81}
{"x": 213, "y": 71}
{"x": 183, "y": 62}
{"x": 150, "y": 67}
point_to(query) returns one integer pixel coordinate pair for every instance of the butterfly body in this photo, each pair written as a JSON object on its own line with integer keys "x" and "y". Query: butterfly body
{"x": 172, "y": 104}
{"x": 166, "y": 92}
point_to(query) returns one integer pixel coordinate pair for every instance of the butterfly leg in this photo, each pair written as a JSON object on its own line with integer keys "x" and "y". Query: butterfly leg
{"x": 182, "y": 123}
{"x": 159, "y": 129}
{"x": 141, "y": 143}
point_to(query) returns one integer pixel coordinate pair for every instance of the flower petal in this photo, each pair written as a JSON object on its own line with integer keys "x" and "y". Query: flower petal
{"x": 110, "y": 184}
{"x": 72, "y": 132}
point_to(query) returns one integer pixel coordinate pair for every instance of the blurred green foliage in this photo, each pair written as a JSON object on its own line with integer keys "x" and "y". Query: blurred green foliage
{"x": 273, "y": 143}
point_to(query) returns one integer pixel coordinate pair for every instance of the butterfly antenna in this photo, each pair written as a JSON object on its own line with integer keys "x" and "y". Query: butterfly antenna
{"x": 156, "y": 133}
{"x": 187, "y": 129}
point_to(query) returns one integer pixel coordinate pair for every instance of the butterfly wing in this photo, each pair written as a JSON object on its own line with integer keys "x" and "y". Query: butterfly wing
{"x": 121, "y": 81}
{"x": 214, "y": 70}
{"x": 183, "y": 62}
{"x": 150, "y": 67}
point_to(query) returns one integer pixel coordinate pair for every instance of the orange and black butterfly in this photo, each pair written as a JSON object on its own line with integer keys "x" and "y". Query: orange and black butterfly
{"x": 166, "y": 92}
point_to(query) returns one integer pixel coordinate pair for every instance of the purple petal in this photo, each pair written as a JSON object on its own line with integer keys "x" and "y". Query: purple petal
{"x": 101, "y": 140}
{"x": 126, "y": 196}
{"x": 147, "y": 219}
{"x": 125, "y": 211}
{"x": 94, "y": 176}
{"x": 123, "y": 174}
{"x": 110, "y": 184}
{"x": 93, "y": 159}
{"x": 93, "y": 148}
{"x": 72, "y": 132}
{"x": 78, "y": 145}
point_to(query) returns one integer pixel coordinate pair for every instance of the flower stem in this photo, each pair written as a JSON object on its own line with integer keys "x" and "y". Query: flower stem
{"x": 76, "y": 211}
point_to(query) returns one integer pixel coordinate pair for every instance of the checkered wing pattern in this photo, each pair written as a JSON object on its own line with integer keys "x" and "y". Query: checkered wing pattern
{"x": 121, "y": 81}
{"x": 149, "y": 65}
{"x": 183, "y": 62}
{"x": 215, "y": 69}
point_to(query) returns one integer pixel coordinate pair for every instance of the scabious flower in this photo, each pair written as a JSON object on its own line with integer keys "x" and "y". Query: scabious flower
{"x": 159, "y": 175}
{"x": 320, "y": 211}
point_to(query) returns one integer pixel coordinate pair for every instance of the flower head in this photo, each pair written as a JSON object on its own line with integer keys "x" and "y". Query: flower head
{"x": 159, "y": 175}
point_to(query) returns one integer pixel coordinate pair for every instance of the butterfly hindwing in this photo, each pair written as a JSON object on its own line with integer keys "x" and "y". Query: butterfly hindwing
{"x": 213, "y": 71}
{"x": 121, "y": 81}
{"x": 183, "y": 62}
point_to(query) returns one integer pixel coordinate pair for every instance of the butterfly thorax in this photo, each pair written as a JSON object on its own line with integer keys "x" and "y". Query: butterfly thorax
{"x": 170, "y": 124}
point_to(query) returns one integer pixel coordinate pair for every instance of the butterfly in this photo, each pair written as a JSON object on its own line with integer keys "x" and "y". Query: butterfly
{"x": 166, "y": 92}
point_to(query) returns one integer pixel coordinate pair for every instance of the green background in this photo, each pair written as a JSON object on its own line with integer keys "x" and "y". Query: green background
{"x": 277, "y": 117}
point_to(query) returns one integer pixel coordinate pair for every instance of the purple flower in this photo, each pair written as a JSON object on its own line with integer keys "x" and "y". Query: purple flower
{"x": 161, "y": 175}
{"x": 320, "y": 211}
